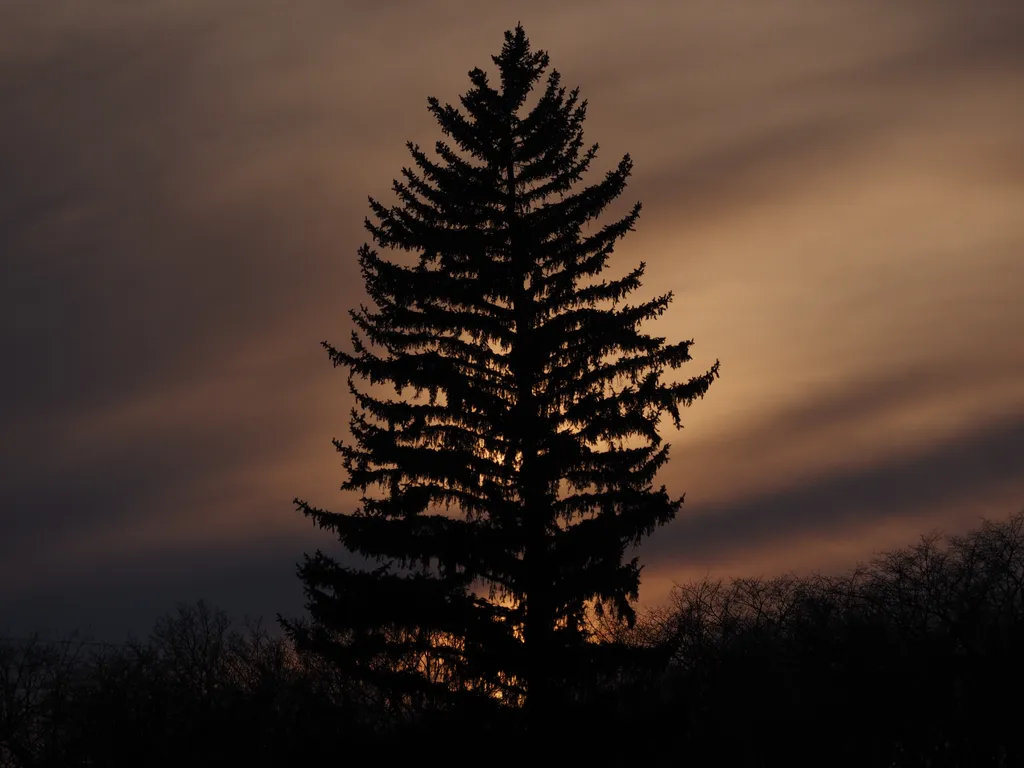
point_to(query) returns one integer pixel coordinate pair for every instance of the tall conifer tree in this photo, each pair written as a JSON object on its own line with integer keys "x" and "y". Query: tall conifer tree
{"x": 502, "y": 486}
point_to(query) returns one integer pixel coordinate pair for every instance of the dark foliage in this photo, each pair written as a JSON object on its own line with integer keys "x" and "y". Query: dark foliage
{"x": 501, "y": 490}
{"x": 196, "y": 692}
{"x": 912, "y": 660}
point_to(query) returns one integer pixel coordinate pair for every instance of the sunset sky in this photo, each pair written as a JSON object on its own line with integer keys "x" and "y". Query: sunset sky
{"x": 834, "y": 190}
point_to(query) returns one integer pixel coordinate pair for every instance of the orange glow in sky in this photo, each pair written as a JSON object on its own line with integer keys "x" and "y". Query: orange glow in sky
{"x": 834, "y": 192}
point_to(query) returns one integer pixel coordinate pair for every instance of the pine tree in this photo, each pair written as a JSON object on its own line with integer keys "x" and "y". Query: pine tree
{"x": 502, "y": 487}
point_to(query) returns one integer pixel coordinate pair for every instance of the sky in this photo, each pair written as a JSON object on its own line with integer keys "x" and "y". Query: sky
{"x": 834, "y": 191}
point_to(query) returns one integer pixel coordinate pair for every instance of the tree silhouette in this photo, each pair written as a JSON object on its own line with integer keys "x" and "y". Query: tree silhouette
{"x": 903, "y": 661}
{"x": 501, "y": 490}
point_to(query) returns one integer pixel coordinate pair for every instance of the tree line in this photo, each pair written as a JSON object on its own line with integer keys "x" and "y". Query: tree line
{"x": 912, "y": 659}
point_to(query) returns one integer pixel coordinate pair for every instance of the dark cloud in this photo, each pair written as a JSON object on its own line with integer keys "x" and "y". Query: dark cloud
{"x": 918, "y": 483}
{"x": 123, "y": 596}
{"x": 183, "y": 188}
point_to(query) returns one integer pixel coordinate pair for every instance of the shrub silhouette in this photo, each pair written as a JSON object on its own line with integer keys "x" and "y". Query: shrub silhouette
{"x": 906, "y": 660}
